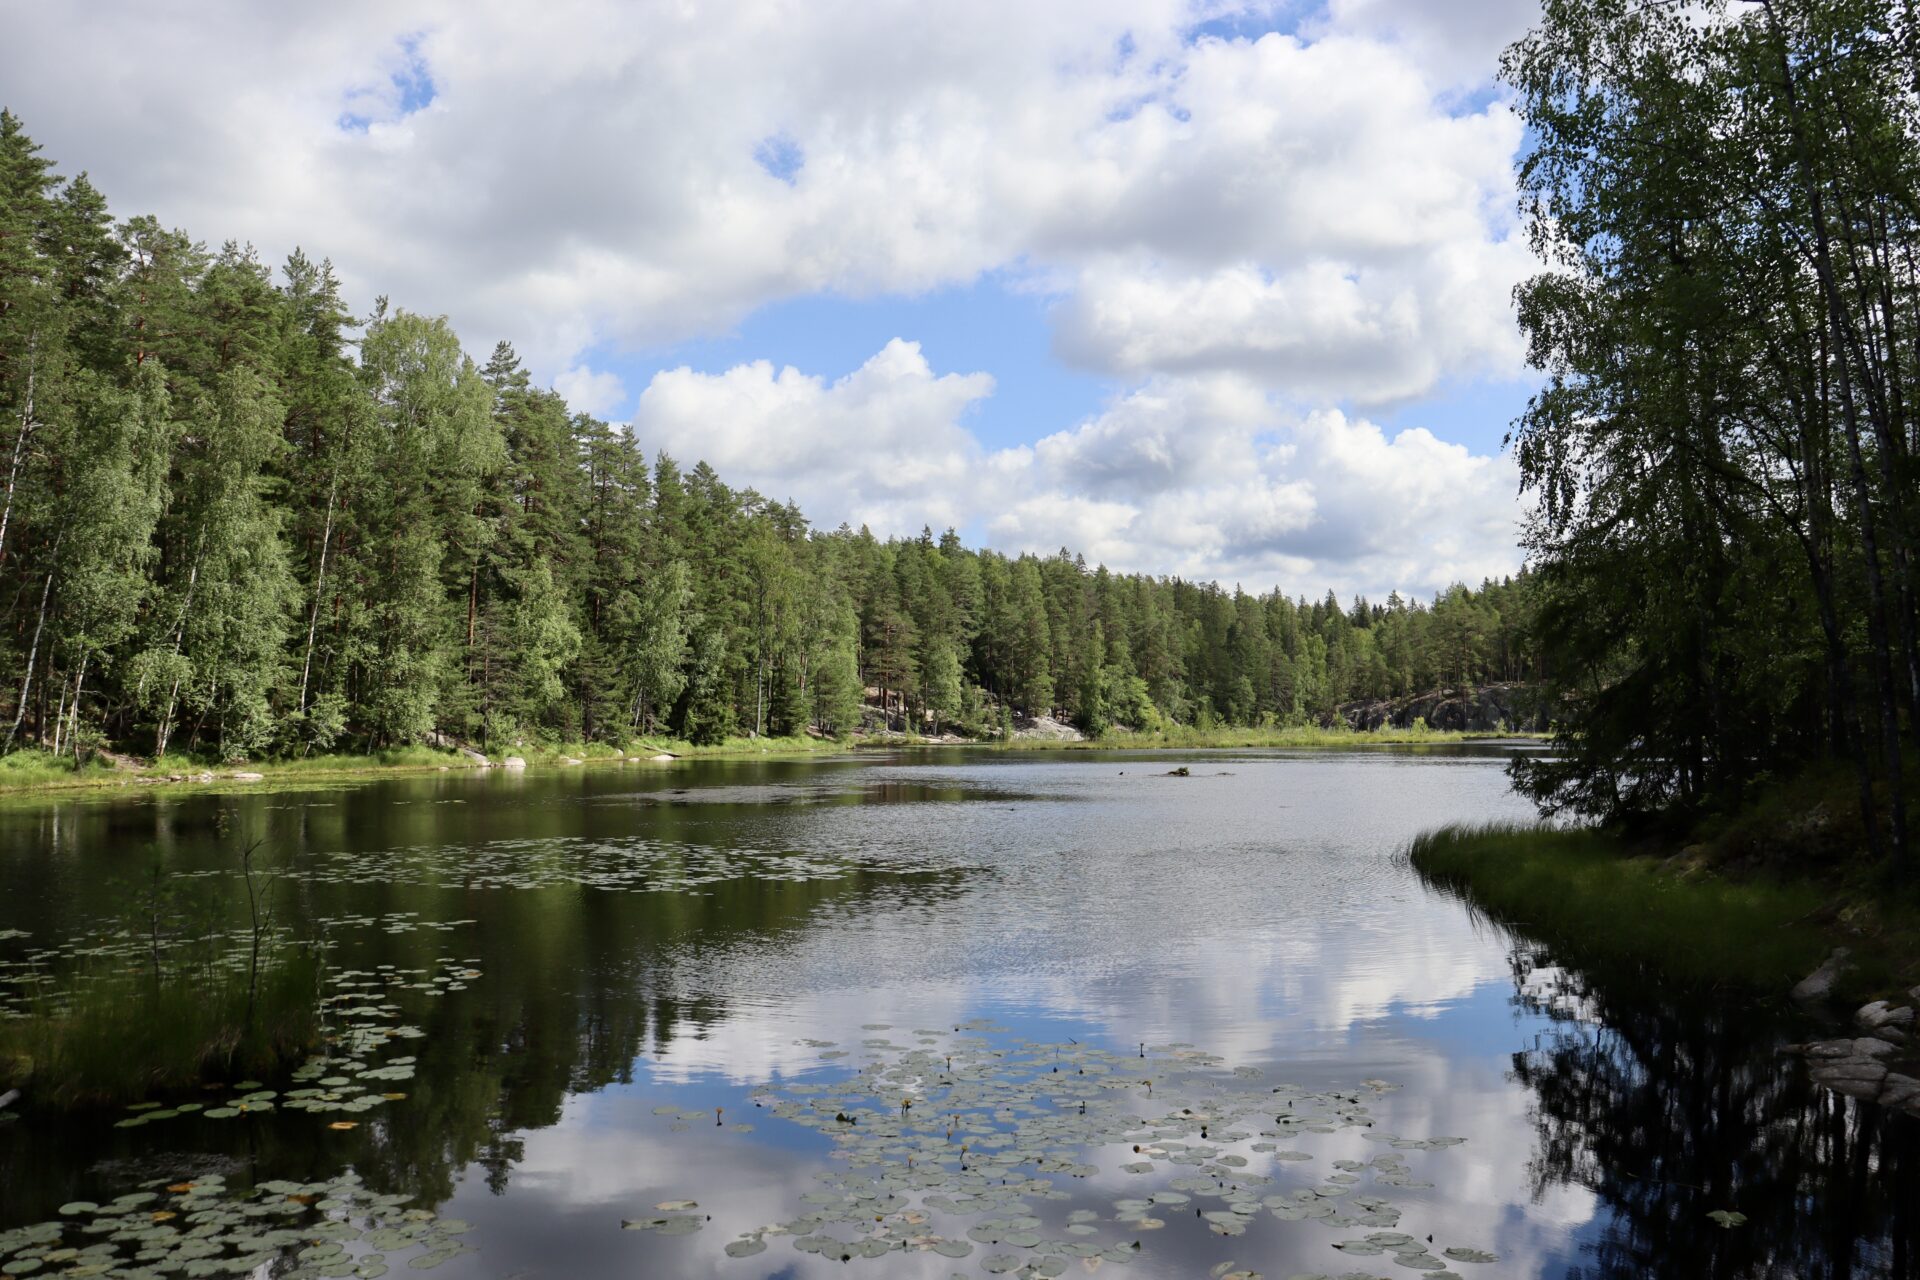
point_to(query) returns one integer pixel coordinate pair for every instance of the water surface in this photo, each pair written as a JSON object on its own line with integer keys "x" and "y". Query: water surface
{"x": 664, "y": 954}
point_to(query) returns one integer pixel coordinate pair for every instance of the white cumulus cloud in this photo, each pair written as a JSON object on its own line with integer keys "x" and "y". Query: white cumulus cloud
{"x": 1205, "y": 476}
{"x": 883, "y": 445}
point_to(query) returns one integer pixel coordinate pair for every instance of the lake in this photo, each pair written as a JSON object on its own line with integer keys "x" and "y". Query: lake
{"x": 930, "y": 1014}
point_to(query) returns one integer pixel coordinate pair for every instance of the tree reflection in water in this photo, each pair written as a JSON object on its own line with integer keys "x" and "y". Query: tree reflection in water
{"x": 1669, "y": 1107}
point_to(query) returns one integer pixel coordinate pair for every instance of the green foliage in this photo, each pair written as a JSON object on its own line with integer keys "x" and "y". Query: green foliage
{"x": 1726, "y": 199}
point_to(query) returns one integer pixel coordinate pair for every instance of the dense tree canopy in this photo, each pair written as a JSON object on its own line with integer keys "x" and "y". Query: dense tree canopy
{"x": 1727, "y": 199}
{"x": 238, "y": 520}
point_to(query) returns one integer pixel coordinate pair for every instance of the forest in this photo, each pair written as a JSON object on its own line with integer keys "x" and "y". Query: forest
{"x": 1725, "y": 198}
{"x": 240, "y": 520}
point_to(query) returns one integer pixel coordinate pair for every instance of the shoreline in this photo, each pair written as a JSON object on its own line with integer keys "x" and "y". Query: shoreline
{"x": 1683, "y": 914}
{"x": 1700, "y": 921}
{"x": 37, "y": 775}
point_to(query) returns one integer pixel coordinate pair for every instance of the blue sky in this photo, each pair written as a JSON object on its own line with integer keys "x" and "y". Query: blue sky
{"x": 999, "y": 328}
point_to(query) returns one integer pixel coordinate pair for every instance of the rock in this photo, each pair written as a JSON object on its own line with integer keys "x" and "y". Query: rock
{"x": 246, "y": 776}
{"x": 1866, "y": 1090}
{"x": 1898, "y": 1090}
{"x": 664, "y": 756}
{"x": 1873, "y": 1047}
{"x": 1045, "y": 729}
{"x": 476, "y": 757}
{"x": 513, "y": 764}
{"x": 443, "y": 768}
{"x": 1829, "y": 1049}
{"x": 568, "y": 760}
{"x": 1866, "y": 1069}
{"x": 1872, "y": 1017}
{"x": 1818, "y": 985}
{"x": 1509, "y": 707}
{"x": 203, "y": 777}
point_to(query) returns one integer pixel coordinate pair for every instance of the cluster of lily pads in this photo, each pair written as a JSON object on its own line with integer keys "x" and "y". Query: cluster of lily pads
{"x": 45, "y": 974}
{"x": 631, "y": 864}
{"x": 351, "y": 1076}
{"x": 201, "y": 1227}
{"x": 978, "y": 1124}
{"x": 29, "y": 977}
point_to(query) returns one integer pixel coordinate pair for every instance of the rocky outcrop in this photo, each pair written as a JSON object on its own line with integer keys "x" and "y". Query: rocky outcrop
{"x": 1488, "y": 708}
{"x": 1045, "y": 729}
{"x": 1869, "y": 1066}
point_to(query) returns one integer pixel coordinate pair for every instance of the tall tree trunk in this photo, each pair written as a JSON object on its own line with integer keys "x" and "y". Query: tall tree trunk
{"x": 165, "y": 728}
{"x": 33, "y": 650}
{"x": 319, "y": 593}
{"x": 1881, "y": 655}
{"x": 19, "y": 446}
{"x": 59, "y": 715}
{"x": 79, "y": 684}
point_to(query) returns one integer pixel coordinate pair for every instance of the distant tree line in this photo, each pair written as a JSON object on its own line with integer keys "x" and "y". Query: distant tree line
{"x": 238, "y": 520}
{"x": 1727, "y": 200}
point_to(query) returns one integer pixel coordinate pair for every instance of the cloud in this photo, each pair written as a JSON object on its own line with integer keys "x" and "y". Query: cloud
{"x": 1460, "y": 43}
{"x": 1320, "y": 334}
{"x": 883, "y": 445}
{"x": 624, "y": 176}
{"x": 1198, "y": 483}
{"x": 587, "y": 391}
{"x": 1207, "y": 476}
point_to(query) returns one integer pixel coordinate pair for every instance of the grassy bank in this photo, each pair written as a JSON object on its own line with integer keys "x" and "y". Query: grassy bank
{"x": 123, "y": 1037}
{"x": 1186, "y": 737}
{"x": 28, "y": 770}
{"x": 1599, "y": 901}
{"x": 37, "y": 770}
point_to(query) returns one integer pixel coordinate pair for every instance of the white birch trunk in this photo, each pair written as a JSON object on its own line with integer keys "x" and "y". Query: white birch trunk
{"x": 319, "y": 593}
{"x": 33, "y": 650}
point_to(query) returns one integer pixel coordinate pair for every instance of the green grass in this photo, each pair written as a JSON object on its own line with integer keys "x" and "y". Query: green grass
{"x": 35, "y": 771}
{"x": 43, "y": 769}
{"x": 1182, "y": 737}
{"x": 29, "y": 770}
{"x": 1597, "y": 903}
{"x": 122, "y": 1037}
{"x": 644, "y": 747}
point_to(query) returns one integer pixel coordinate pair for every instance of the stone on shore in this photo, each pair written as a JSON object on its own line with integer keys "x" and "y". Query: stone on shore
{"x": 513, "y": 764}
{"x": 1818, "y": 985}
{"x": 1898, "y": 1090}
{"x": 1881, "y": 1014}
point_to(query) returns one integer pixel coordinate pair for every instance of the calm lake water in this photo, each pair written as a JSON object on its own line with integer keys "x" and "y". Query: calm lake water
{"x": 641, "y": 985}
